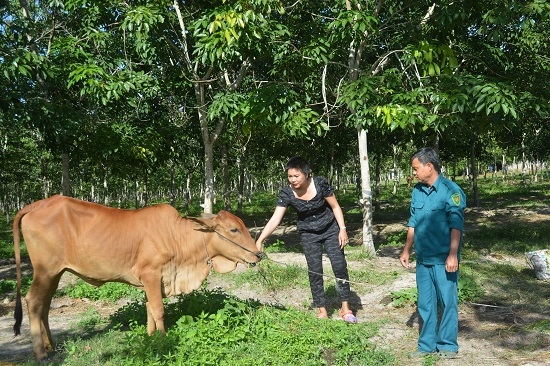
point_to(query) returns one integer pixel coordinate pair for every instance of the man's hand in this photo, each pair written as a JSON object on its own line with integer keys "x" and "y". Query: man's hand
{"x": 404, "y": 259}
{"x": 451, "y": 264}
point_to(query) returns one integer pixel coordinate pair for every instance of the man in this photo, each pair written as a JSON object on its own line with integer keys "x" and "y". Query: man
{"x": 435, "y": 228}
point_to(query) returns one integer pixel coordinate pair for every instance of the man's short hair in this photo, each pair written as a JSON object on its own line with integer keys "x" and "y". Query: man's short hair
{"x": 427, "y": 155}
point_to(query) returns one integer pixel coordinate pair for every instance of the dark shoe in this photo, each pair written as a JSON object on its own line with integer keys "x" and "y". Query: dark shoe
{"x": 419, "y": 354}
{"x": 447, "y": 354}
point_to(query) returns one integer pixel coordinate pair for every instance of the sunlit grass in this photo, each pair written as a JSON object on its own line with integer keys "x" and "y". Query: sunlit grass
{"x": 271, "y": 276}
{"x": 110, "y": 291}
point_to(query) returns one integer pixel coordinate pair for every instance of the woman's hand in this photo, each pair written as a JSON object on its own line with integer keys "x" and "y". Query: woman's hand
{"x": 343, "y": 238}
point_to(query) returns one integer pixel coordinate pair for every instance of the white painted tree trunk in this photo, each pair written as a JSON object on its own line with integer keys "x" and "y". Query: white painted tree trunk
{"x": 366, "y": 192}
{"x": 395, "y": 171}
{"x": 208, "y": 177}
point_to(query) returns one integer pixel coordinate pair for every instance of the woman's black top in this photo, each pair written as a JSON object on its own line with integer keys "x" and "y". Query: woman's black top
{"x": 314, "y": 215}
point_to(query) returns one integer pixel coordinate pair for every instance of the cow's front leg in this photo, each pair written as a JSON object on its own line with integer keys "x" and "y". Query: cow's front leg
{"x": 155, "y": 308}
{"x": 155, "y": 319}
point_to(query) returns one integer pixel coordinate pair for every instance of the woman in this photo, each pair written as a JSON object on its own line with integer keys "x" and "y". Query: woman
{"x": 320, "y": 222}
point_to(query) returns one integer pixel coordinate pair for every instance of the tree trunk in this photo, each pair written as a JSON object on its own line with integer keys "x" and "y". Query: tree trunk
{"x": 494, "y": 168}
{"x": 331, "y": 168}
{"x": 504, "y": 168}
{"x": 65, "y": 176}
{"x": 454, "y": 170}
{"x": 377, "y": 184}
{"x": 366, "y": 193}
{"x": 395, "y": 171}
{"x": 225, "y": 177}
{"x": 105, "y": 190}
{"x": 145, "y": 194}
{"x": 172, "y": 185}
{"x": 136, "y": 187}
{"x": 187, "y": 196}
{"x": 474, "y": 173}
{"x": 355, "y": 53}
{"x": 208, "y": 140}
{"x": 240, "y": 184}
{"x": 523, "y": 168}
{"x": 209, "y": 177}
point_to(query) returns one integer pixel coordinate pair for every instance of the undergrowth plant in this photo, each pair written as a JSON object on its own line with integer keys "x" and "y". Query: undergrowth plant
{"x": 468, "y": 291}
{"x": 110, "y": 291}
{"x": 242, "y": 332}
{"x": 8, "y": 286}
{"x": 271, "y": 276}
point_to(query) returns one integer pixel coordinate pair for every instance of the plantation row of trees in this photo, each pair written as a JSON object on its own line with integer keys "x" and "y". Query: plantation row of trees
{"x": 138, "y": 101}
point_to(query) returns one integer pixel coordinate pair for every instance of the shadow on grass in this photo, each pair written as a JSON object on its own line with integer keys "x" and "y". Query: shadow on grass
{"x": 194, "y": 304}
{"x": 513, "y": 237}
{"x": 509, "y": 311}
{"x": 514, "y": 302}
{"x": 197, "y": 304}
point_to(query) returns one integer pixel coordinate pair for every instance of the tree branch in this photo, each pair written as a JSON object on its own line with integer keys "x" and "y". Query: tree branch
{"x": 183, "y": 36}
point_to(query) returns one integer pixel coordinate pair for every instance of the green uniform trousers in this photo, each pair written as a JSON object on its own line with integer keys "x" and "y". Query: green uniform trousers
{"x": 437, "y": 286}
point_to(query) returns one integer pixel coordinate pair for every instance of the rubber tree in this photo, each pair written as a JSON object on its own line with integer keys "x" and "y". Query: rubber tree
{"x": 411, "y": 67}
{"x": 381, "y": 66}
{"x": 44, "y": 103}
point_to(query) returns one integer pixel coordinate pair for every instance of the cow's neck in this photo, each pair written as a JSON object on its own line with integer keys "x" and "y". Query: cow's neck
{"x": 183, "y": 278}
{"x": 223, "y": 265}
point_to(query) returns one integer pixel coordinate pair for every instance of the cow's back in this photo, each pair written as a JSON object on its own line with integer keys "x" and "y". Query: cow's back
{"x": 97, "y": 242}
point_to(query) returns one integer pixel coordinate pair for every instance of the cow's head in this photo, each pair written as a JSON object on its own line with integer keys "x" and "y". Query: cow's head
{"x": 230, "y": 241}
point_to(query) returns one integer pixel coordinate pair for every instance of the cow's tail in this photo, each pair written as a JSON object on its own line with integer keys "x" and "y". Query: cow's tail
{"x": 18, "y": 314}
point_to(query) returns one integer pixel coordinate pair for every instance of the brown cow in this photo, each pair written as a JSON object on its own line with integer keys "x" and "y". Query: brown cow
{"x": 153, "y": 248}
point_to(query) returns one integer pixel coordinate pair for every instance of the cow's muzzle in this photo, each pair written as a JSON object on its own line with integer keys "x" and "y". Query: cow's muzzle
{"x": 260, "y": 256}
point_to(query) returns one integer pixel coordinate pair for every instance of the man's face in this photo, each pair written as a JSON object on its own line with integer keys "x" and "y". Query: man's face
{"x": 423, "y": 173}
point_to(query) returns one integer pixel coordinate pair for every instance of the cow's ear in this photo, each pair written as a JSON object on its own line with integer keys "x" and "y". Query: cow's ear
{"x": 205, "y": 224}
{"x": 205, "y": 215}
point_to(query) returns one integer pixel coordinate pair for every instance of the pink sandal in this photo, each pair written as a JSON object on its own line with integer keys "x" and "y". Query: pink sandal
{"x": 348, "y": 317}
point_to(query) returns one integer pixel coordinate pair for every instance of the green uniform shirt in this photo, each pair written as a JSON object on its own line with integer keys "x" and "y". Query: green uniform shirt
{"x": 435, "y": 211}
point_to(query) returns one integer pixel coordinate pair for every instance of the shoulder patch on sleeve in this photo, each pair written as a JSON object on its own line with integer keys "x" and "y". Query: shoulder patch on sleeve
{"x": 456, "y": 198}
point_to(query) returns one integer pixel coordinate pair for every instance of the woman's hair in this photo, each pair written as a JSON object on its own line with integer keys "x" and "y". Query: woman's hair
{"x": 427, "y": 155}
{"x": 298, "y": 162}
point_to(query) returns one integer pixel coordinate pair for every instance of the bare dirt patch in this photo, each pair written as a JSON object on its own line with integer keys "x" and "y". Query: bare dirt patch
{"x": 490, "y": 334}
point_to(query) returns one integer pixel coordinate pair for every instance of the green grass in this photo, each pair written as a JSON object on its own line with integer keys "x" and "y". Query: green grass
{"x": 242, "y": 332}
{"x": 542, "y": 326}
{"x": 111, "y": 291}
{"x": 468, "y": 291}
{"x": 9, "y": 286}
{"x": 515, "y": 237}
{"x": 275, "y": 276}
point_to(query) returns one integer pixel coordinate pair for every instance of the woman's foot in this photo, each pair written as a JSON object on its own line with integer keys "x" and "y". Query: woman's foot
{"x": 322, "y": 314}
{"x": 348, "y": 317}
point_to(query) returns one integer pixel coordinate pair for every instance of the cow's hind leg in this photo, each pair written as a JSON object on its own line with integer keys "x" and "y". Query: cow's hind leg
{"x": 38, "y": 300}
